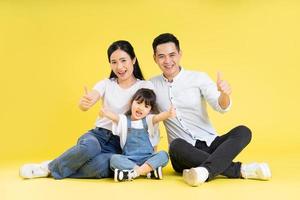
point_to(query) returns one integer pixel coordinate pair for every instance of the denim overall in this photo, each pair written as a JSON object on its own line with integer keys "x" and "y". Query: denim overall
{"x": 138, "y": 150}
{"x": 138, "y": 147}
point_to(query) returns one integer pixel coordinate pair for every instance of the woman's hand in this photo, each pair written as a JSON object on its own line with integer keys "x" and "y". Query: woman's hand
{"x": 88, "y": 99}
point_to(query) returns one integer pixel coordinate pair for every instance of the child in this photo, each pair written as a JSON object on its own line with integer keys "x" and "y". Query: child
{"x": 136, "y": 131}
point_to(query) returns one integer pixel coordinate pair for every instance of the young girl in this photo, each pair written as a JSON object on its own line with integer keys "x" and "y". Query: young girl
{"x": 136, "y": 131}
{"x": 90, "y": 157}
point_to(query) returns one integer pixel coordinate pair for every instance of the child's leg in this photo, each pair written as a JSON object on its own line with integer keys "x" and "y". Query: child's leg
{"x": 152, "y": 168}
{"x": 122, "y": 162}
{"x": 124, "y": 169}
{"x": 159, "y": 159}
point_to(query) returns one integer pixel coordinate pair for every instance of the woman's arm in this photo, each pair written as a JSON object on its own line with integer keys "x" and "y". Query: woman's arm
{"x": 164, "y": 115}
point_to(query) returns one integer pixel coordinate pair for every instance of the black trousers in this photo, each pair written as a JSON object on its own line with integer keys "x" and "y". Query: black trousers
{"x": 217, "y": 158}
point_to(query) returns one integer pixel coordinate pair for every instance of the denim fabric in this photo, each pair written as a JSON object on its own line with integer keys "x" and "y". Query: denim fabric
{"x": 138, "y": 150}
{"x": 89, "y": 158}
{"x": 155, "y": 160}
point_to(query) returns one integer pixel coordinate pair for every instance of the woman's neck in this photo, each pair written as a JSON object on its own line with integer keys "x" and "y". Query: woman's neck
{"x": 127, "y": 83}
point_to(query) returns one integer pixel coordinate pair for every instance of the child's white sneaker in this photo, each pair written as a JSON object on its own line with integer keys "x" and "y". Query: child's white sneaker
{"x": 260, "y": 171}
{"x": 35, "y": 170}
{"x": 195, "y": 176}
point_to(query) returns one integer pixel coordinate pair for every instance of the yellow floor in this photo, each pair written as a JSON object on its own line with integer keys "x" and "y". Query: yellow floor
{"x": 283, "y": 185}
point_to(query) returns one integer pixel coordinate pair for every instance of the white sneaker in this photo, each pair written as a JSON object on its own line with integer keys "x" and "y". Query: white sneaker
{"x": 195, "y": 176}
{"x": 260, "y": 171}
{"x": 35, "y": 170}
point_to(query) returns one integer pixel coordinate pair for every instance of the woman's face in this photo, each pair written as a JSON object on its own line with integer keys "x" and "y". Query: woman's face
{"x": 122, "y": 65}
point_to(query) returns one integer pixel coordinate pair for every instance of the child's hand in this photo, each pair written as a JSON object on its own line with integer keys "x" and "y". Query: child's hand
{"x": 172, "y": 112}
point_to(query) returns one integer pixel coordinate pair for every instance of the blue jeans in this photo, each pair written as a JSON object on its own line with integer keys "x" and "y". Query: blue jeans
{"x": 125, "y": 162}
{"x": 89, "y": 158}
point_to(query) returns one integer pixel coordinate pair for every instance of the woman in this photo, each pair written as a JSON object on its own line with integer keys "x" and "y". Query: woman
{"x": 89, "y": 158}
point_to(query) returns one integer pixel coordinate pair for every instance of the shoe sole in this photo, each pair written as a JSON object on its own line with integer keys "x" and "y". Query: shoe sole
{"x": 190, "y": 176}
{"x": 116, "y": 175}
{"x": 160, "y": 175}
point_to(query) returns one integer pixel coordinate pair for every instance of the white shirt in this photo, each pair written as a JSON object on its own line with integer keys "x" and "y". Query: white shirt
{"x": 188, "y": 92}
{"x": 115, "y": 98}
{"x": 121, "y": 128}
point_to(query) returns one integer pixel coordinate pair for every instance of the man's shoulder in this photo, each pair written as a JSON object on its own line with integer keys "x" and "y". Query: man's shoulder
{"x": 195, "y": 73}
{"x": 194, "y": 76}
{"x": 154, "y": 78}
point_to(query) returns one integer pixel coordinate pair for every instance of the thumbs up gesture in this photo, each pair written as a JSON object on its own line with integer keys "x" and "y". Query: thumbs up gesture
{"x": 223, "y": 85}
{"x": 87, "y": 100}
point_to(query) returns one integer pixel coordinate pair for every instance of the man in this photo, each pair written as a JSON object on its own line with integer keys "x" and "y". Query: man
{"x": 195, "y": 148}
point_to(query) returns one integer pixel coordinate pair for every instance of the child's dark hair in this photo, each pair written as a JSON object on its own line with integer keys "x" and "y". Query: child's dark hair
{"x": 145, "y": 95}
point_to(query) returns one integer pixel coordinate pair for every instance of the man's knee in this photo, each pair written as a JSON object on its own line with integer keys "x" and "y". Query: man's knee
{"x": 176, "y": 145}
{"x": 245, "y": 133}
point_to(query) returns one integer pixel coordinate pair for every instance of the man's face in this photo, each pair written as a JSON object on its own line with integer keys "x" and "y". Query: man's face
{"x": 167, "y": 58}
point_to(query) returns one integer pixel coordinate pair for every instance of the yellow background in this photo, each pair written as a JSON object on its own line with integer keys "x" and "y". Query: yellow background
{"x": 50, "y": 49}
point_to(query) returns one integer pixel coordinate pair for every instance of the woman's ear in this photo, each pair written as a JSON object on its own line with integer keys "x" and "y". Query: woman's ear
{"x": 134, "y": 60}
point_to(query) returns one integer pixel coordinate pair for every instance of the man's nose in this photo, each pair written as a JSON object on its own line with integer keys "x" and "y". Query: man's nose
{"x": 167, "y": 59}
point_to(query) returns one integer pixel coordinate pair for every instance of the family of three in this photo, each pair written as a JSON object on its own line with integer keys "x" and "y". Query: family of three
{"x": 124, "y": 142}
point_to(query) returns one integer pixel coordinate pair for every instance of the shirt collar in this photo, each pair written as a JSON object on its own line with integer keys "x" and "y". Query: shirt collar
{"x": 176, "y": 77}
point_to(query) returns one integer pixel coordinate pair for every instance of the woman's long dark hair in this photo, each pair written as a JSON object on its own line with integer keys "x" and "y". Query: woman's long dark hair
{"x": 145, "y": 95}
{"x": 127, "y": 47}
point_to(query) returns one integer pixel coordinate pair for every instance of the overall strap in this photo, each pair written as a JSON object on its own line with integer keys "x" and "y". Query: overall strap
{"x": 128, "y": 121}
{"x": 145, "y": 123}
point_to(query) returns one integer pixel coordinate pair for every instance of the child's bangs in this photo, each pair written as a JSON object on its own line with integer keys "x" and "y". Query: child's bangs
{"x": 141, "y": 99}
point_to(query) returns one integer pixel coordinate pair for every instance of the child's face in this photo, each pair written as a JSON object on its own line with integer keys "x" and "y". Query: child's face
{"x": 139, "y": 110}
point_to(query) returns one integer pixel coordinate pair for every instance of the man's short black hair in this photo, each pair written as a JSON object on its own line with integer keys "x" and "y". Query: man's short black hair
{"x": 165, "y": 38}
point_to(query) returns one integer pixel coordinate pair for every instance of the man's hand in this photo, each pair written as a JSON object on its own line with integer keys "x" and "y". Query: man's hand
{"x": 222, "y": 85}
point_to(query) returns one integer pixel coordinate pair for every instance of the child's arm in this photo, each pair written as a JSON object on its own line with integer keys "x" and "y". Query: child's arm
{"x": 164, "y": 115}
{"x": 110, "y": 115}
